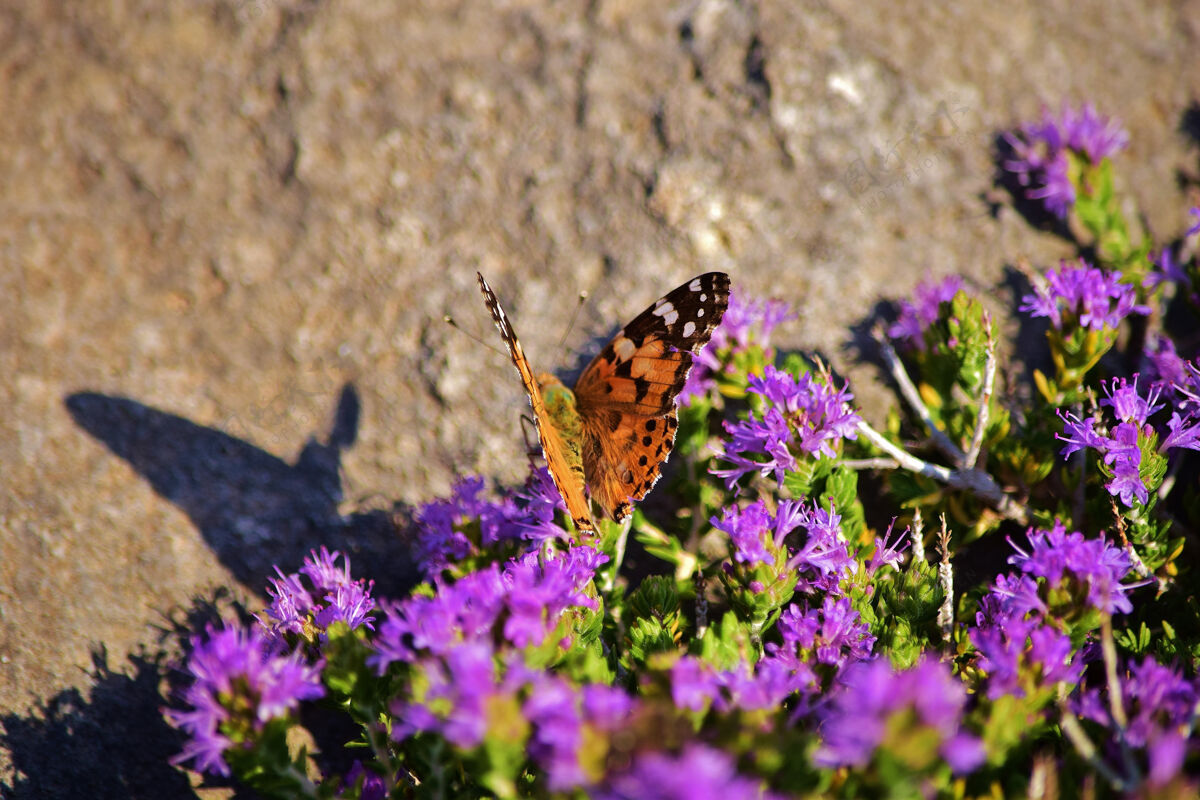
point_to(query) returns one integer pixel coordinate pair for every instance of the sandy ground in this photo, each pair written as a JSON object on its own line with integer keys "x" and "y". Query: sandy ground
{"x": 231, "y": 231}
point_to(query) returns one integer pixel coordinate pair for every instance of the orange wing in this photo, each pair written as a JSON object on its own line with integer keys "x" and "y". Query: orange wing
{"x": 626, "y": 395}
{"x": 567, "y": 477}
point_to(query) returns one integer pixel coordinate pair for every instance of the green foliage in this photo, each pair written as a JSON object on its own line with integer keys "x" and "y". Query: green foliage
{"x": 901, "y": 608}
{"x": 656, "y": 625}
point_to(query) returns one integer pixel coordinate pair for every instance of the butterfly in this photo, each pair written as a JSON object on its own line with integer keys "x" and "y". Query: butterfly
{"x": 614, "y": 430}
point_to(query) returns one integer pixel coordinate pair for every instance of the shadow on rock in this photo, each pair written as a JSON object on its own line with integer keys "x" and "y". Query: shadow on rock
{"x": 113, "y": 744}
{"x": 254, "y": 509}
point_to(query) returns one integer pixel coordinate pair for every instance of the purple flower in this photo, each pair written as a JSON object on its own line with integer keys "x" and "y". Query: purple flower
{"x": 351, "y": 604}
{"x": 1122, "y": 447}
{"x": 238, "y": 686}
{"x": 833, "y": 634}
{"x": 530, "y": 594}
{"x": 553, "y": 709}
{"x": 750, "y": 531}
{"x": 877, "y": 707}
{"x": 1080, "y": 294}
{"x": 293, "y": 609}
{"x": 373, "y": 786}
{"x": 1041, "y": 149}
{"x": 562, "y": 717}
{"x": 888, "y": 551}
{"x": 1127, "y": 404}
{"x": 922, "y": 311}
{"x": 746, "y": 324}
{"x": 696, "y": 684}
{"x": 322, "y": 569}
{"x": 803, "y": 415}
{"x": 1195, "y": 212}
{"x": 1182, "y": 432}
{"x": 1172, "y": 270}
{"x": 1124, "y": 456}
{"x": 291, "y": 604}
{"x": 539, "y": 503}
{"x": 1159, "y": 704}
{"x": 1079, "y": 434}
{"x": 1011, "y": 597}
{"x": 538, "y": 589}
{"x": 1068, "y": 559}
{"x": 465, "y": 610}
{"x": 457, "y": 692}
{"x": 1020, "y": 653}
{"x": 466, "y": 524}
{"x": 824, "y": 556}
{"x": 759, "y": 538}
{"x": 445, "y": 528}
{"x": 698, "y": 773}
{"x": 1178, "y": 378}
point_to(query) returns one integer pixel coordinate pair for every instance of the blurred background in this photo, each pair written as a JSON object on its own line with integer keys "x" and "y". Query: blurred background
{"x": 231, "y": 232}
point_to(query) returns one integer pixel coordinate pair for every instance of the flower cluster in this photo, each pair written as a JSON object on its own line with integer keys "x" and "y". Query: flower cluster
{"x": 1178, "y": 380}
{"x": 833, "y": 634}
{"x": 1080, "y": 295}
{"x": 1067, "y": 561}
{"x": 765, "y": 570}
{"x": 696, "y": 685}
{"x": 467, "y": 524}
{"x": 697, "y": 773}
{"x": 568, "y": 724}
{"x": 1159, "y": 709}
{"x": 802, "y": 416}
{"x": 524, "y": 603}
{"x": 473, "y": 688}
{"x": 1018, "y": 651}
{"x": 1126, "y": 445}
{"x": 922, "y": 311}
{"x": 1024, "y": 624}
{"x": 876, "y": 705}
{"x": 239, "y": 686}
{"x": 1041, "y": 152}
{"x": 330, "y": 596}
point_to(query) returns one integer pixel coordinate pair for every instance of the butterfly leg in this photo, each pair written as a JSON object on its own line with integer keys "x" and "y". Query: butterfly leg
{"x": 533, "y": 446}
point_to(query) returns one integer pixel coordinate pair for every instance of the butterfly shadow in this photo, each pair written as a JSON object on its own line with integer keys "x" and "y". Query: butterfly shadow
{"x": 253, "y": 509}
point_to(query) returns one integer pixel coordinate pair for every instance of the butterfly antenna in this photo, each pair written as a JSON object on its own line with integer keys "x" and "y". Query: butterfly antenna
{"x": 453, "y": 323}
{"x": 583, "y": 296}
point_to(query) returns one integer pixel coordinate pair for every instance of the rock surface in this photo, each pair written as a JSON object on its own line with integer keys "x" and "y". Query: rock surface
{"x": 231, "y": 231}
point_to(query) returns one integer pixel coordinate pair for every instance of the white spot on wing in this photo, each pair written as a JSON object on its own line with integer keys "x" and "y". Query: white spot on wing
{"x": 695, "y": 286}
{"x": 667, "y": 311}
{"x": 689, "y": 329}
{"x": 624, "y": 348}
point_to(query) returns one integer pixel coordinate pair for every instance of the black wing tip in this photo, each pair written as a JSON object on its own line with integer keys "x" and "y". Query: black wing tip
{"x": 719, "y": 281}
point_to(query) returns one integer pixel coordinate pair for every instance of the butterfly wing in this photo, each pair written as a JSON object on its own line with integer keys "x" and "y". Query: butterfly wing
{"x": 626, "y": 395}
{"x": 568, "y": 477}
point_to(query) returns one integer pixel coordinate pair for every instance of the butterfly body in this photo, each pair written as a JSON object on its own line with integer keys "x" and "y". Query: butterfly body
{"x": 564, "y": 416}
{"x": 614, "y": 431}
